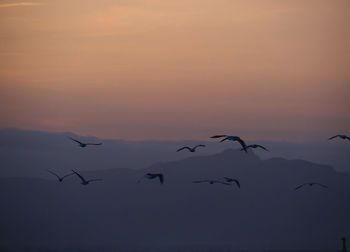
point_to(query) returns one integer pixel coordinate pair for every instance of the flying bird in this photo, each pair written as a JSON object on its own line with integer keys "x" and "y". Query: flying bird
{"x": 230, "y": 180}
{"x": 60, "y": 179}
{"x": 83, "y": 145}
{"x": 84, "y": 181}
{"x": 340, "y": 136}
{"x": 254, "y": 146}
{"x": 310, "y": 184}
{"x": 191, "y": 149}
{"x": 211, "y": 182}
{"x": 232, "y": 138}
{"x": 153, "y": 176}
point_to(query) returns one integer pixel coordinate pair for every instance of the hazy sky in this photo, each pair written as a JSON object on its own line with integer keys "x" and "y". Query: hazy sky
{"x": 166, "y": 69}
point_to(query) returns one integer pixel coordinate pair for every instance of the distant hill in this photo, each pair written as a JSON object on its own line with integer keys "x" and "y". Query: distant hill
{"x": 266, "y": 213}
{"x": 29, "y": 153}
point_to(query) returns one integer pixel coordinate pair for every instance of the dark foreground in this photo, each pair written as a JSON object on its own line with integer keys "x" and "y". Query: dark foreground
{"x": 194, "y": 249}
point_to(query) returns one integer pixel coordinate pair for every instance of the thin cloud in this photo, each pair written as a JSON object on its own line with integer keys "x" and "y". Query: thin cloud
{"x": 19, "y": 4}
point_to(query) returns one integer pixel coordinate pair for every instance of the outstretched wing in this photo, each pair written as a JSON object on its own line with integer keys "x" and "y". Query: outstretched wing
{"x": 296, "y": 188}
{"x": 200, "y": 181}
{"x": 221, "y": 182}
{"x": 347, "y": 138}
{"x": 53, "y": 174}
{"x": 237, "y": 183}
{"x": 92, "y": 180}
{"x": 262, "y": 147}
{"x": 93, "y": 143}
{"x": 333, "y": 137}
{"x": 321, "y": 185}
{"x": 244, "y": 146}
{"x": 161, "y": 178}
{"x": 199, "y": 145}
{"x": 81, "y": 177}
{"x": 218, "y": 136}
{"x": 226, "y": 138}
{"x": 75, "y": 140}
{"x": 186, "y": 147}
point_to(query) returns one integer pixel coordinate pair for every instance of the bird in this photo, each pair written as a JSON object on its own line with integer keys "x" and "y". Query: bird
{"x": 153, "y": 176}
{"x": 83, "y": 145}
{"x": 84, "y": 181}
{"x": 255, "y": 146}
{"x": 60, "y": 179}
{"x": 191, "y": 149}
{"x": 232, "y": 138}
{"x": 230, "y": 180}
{"x": 310, "y": 184}
{"x": 211, "y": 182}
{"x": 340, "y": 136}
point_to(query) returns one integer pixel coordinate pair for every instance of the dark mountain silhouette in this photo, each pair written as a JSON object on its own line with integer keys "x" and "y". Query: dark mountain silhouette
{"x": 265, "y": 213}
{"x": 29, "y": 153}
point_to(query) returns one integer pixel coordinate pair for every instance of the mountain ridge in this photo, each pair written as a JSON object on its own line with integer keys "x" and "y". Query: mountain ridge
{"x": 265, "y": 213}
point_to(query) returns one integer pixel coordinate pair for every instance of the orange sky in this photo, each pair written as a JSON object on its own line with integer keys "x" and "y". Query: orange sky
{"x": 164, "y": 69}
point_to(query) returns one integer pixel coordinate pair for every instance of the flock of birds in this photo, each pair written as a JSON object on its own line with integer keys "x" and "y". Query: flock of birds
{"x": 160, "y": 176}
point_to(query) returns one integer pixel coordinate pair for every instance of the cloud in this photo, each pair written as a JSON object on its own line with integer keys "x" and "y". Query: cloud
{"x": 19, "y": 4}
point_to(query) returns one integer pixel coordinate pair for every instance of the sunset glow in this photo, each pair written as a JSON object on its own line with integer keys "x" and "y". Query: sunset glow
{"x": 155, "y": 69}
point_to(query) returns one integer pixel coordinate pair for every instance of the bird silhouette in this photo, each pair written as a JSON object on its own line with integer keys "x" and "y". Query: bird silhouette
{"x": 310, "y": 184}
{"x": 344, "y": 137}
{"x": 230, "y": 180}
{"x": 153, "y": 176}
{"x": 60, "y": 179}
{"x": 83, "y": 180}
{"x": 254, "y": 146}
{"x": 83, "y": 145}
{"x": 211, "y": 182}
{"x": 191, "y": 149}
{"x": 232, "y": 138}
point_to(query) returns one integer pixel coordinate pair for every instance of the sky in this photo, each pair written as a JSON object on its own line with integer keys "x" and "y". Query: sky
{"x": 171, "y": 70}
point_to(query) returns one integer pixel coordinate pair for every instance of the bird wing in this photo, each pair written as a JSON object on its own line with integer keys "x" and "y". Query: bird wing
{"x": 237, "y": 182}
{"x": 347, "y": 138}
{"x": 149, "y": 175}
{"x": 75, "y": 140}
{"x": 53, "y": 174}
{"x": 224, "y": 139}
{"x": 242, "y": 143}
{"x": 262, "y": 147}
{"x": 186, "y": 147}
{"x": 81, "y": 177}
{"x": 218, "y": 136}
{"x": 92, "y": 180}
{"x": 321, "y": 185}
{"x": 93, "y": 143}
{"x": 199, "y": 145}
{"x": 296, "y": 188}
{"x": 333, "y": 137}
{"x": 221, "y": 182}
{"x": 70, "y": 174}
{"x": 200, "y": 181}
{"x": 161, "y": 178}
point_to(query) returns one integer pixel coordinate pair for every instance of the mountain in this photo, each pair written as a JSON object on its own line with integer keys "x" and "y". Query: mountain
{"x": 119, "y": 213}
{"x": 28, "y": 153}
